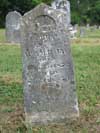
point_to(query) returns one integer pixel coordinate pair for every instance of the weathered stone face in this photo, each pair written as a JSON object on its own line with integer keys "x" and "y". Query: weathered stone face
{"x": 49, "y": 86}
{"x": 13, "y": 21}
{"x": 63, "y": 5}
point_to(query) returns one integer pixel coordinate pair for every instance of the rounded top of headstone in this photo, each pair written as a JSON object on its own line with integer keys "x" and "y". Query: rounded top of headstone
{"x": 44, "y": 10}
{"x": 13, "y": 19}
{"x": 13, "y": 13}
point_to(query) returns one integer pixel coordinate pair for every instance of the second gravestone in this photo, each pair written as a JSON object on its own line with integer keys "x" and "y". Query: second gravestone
{"x": 49, "y": 86}
{"x": 63, "y": 5}
{"x": 13, "y": 21}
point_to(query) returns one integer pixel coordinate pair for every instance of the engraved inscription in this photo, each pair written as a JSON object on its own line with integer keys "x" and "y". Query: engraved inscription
{"x": 44, "y": 23}
{"x": 60, "y": 51}
{"x": 47, "y": 68}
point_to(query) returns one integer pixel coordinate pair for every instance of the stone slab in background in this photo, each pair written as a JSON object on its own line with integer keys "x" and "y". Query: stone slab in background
{"x": 13, "y": 21}
{"x": 63, "y": 5}
{"x": 49, "y": 85}
{"x": 82, "y": 31}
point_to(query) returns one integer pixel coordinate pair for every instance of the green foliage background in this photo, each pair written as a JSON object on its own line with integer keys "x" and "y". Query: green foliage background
{"x": 82, "y": 11}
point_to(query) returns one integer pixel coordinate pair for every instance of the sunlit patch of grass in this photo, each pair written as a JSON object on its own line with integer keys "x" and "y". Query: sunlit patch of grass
{"x": 10, "y": 60}
{"x": 2, "y": 35}
{"x": 86, "y": 41}
{"x": 90, "y": 33}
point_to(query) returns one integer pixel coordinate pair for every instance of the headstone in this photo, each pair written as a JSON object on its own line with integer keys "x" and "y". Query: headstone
{"x": 95, "y": 27}
{"x": 63, "y": 5}
{"x": 13, "y": 21}
{"x": 91, "y": 29}
{"x": 49, "y": 85}
{"x": 72, "y": 32}
{"x": 76, "y": 27}
{"x": 88, "y": 26}
{"x": 82, "y": 32}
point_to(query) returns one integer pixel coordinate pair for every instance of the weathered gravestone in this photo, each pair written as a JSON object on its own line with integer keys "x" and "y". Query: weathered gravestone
{"x": 13, "y": 21}
{"x": 95, "y": 26}
{"x": 76, "y": 27}
{"x": 88, "y": 26}
{"x": 63, "y": 5}
{"x": 82, "y": 32}
{"x": 49, "y": 86}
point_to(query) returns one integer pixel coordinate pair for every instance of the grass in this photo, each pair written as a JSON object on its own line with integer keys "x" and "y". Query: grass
{"x": 91, "y": 33}
{"x": 2, "y": 35}
{"x": 86, "y": 57}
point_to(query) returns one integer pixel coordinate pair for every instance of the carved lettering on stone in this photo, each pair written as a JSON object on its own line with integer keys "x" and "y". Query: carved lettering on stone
{"x": 49, "y": 87}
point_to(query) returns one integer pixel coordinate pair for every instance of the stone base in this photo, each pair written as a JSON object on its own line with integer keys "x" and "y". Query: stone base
{"x": 45, "y": 118}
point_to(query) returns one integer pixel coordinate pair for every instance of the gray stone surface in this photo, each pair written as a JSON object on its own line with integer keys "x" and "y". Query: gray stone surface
{"x": 88, "y": 26}
{"x": 63, "y": 5}
{"x": 76, "y": 27}
{"x": 95, "y": 27}
{"x": 82, "y": 31}
{"x": 49, "y": 85}
{"x": 13, "y": 21}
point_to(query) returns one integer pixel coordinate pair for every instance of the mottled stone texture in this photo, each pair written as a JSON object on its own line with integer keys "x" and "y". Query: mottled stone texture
{"x": 63, "y": 5}
{"x": 13, "y": 21}
{"x": 49, "y": 86}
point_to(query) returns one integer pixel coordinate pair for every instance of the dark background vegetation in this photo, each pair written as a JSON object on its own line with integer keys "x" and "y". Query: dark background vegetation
{"x": 83, "y": 11}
